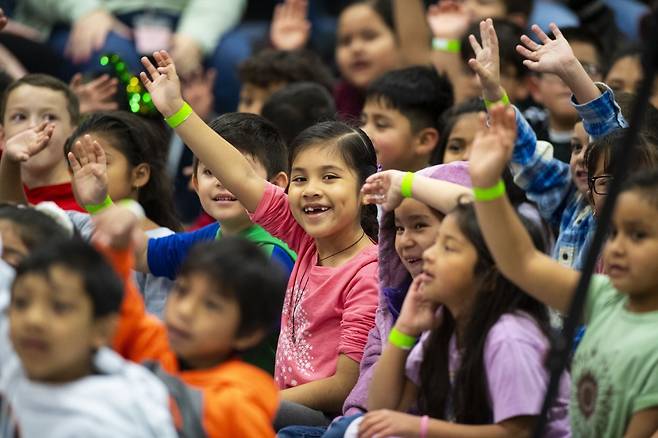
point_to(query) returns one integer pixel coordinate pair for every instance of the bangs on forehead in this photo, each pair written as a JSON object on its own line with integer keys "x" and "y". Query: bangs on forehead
{"x": 330, "y": 147}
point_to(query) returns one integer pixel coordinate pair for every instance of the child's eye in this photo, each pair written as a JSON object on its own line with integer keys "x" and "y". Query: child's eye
{"x": 212, "y": 305}
{"x": 576, "y": 147}
{"x": 455, "y": 147}
{"x": 636, "y": 236}
{"x": 179, "y": 289}
{"x": 297, "y": 179}
{"x": 17, "y": 117}
{"x": 369, "y": 34}
{"x": 420, "y": 226}
{"x": 19, "y": 303}
{"x": 61, "y": 307}
{"x": 330, "y": 176}
{"x": 207, "y": 172}
{"x": 399, "y": 230}
{"x": 50, "y": 117}
{"x": 381, "y": 125}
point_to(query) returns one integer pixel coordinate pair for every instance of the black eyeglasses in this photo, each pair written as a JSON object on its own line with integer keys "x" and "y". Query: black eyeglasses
{"x": 600, "y": 184}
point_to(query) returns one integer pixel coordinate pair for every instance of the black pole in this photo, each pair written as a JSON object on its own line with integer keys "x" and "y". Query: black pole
{"x": 562, "y": 342}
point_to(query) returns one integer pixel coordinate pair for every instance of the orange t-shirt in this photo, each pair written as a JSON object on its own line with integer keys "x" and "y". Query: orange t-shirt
{"x": 239, "y": 400}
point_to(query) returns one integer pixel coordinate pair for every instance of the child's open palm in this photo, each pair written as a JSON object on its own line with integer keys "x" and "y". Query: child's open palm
{"x": 290, "y": 29}
{"x": 89, "y": 165}
{"x": 487, "y": 61}
{"x": 492, "y": 147}
{"x": 26, "y": 144}
{"x": 448, "y": 19}
{"x": 162, "y": 83}
{"x": 383, "y": 188}
{"x": 551, "y": 56}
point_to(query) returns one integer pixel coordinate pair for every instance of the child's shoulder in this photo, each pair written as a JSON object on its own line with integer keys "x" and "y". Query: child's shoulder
{"x": 517, "y": 327}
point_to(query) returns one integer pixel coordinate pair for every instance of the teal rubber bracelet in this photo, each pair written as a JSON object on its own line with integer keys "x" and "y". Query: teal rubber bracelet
{"x": 446, "y": 45}
{"x": 407, "y": 184}
{"x": 489, "y": 193}
{"x": 505, "y": 100}
{"x": 401, "y": 340}
{"x": 97, "y": 208}
{"x": 175, "y": 120}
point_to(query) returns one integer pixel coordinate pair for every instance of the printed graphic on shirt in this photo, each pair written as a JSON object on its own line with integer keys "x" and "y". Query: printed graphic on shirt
{"x": 592, "y": 394}
{"x": 294, "y": 348}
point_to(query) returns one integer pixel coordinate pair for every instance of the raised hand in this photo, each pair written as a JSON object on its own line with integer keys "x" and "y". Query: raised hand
{"x": 486, "y": 63}
{"x": 95, "y": 95}
{"x": 187, "y": 53}
{"x": 551, "y": 56}
{"x": 492, "y": 147}
{"x": 448, "y": 19}
{"x": 89, "y": 165}
{"x": 417, "y": 314}
{"x": 383, "y": 188}
{"x": 290, "y": 29}
{"x": 26, "y": 144}
{"x": 89, "y": 32}
{"x": 117, "y": 227}
{"x": 162, "y": 83}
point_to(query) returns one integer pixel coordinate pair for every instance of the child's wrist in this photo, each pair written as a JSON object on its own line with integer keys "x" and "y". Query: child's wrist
{"x": 97, "y": 208}
{"x": 174, "y": 108}
{"x": 446, "y": 44}
{"x": 402, "y": 337}
{"x": 494, "y": 98}
{"x": 406, "y": 185}
{"x": 489, "y": 192}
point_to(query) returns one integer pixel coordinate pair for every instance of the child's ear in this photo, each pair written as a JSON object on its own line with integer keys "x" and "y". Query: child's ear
{"x": 280, "y": 179}
{"x": 250, "y": 340}
{"x": 141, "y": 175}
{"x": 426, "y": 141}
{"x": 103, "y": 330}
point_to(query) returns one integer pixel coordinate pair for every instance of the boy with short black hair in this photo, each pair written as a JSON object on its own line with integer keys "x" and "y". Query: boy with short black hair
{"x": 401, "y": 114}
{"x": 226, "y": 300}
{"x": 27, "y": 102}
{"x": 63, "y": 309}
{"x": 270, "y": 70}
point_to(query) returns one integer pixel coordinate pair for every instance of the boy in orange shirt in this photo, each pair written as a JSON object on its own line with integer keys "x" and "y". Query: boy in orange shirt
{"x": 226, "y": 299}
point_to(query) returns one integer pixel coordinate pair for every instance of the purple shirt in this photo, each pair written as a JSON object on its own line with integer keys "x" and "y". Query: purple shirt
{"x": 514, "y": 356}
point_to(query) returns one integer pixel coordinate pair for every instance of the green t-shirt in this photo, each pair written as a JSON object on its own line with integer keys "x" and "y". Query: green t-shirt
{"x": 615, "y": 369}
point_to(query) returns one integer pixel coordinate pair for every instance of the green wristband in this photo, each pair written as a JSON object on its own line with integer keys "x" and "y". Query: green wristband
{"x": 489, "y": 193}
{"x": 179, "y": 116}
{"x": 97, "y": 208}
{"x": 401, "y": 340}
{"x": 406, "y": 185}
{"x": 446, "y": 45}
{"x": 504, "y": 100}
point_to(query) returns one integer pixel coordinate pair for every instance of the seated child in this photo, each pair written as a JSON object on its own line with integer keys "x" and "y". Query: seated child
{"x": 226, "y": 299}
{"x": 400, "y": 116}
{"x": 270, "y": 70}
{"x": 297, "y": 106}
{"x": 332, "y": 292}
{"x": 614, "y": 378}
{"x": 26, "y": 103}
{"x": 57, "y": 377}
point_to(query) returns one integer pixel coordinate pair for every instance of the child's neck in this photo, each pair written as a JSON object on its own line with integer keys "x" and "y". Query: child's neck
{"x": 233, "y": 227}
{"x": 337, "y": 249}
{"x": 643, "y": 303}
{"x": 50, "y": 177}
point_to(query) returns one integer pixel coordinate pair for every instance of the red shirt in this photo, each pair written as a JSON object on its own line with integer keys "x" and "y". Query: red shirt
{"x": 60, "y": 194}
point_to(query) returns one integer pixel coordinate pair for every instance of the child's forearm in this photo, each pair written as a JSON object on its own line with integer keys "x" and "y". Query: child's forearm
{"x": 516, "y": 427}
{"x": 581, "y": 85}
{"x": 440, "y": 195}
{"x": 517, "y": 258}
{"x": 387, "y": 388}
{"x": 227, "y": 164}
{"x": 412, "y": 31}
{"x": 329, "y": 394}
{"x": 11, "y": 185}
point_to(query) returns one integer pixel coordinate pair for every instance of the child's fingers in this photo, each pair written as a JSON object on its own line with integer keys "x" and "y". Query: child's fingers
{"x": 76, "y": 81}
{"x": 474, "y": 44}
{"x": 99, "y": 153}
{"x": 477, "y": 67}
{"x": 73, "y": 162}
{"x": 491, "y": 33}
{"x": 534, "y": 56}
{"x": 150, "y": 68}
{"x": 146, "y": 81}
{"x": 530, "y": 43}
{"x": 531, "y": 65}
{"x": 556, "y": 30}
{"x": 541, "y": 34}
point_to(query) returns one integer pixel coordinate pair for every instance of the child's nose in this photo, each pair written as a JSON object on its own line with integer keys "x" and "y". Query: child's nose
{"x": 35, "y": 316}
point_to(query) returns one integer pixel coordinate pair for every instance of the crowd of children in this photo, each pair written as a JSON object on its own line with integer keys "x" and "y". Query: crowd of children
{"x": 385, "y": 254}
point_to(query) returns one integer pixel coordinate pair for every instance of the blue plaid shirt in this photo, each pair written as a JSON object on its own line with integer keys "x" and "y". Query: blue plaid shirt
{"x": 547, "y": 181}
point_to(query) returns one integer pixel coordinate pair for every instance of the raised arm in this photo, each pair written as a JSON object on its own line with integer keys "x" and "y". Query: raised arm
{"x": 412, "y": 31}
{"x": 19, "y": 149}
{"x": 385, "y": 188}
{"x": 225, "y": 162}
{"x": 507, "y": 239}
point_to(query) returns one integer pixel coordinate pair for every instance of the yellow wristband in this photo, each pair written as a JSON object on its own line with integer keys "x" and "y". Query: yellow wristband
{"x": 489, "y": 193}
{"x": 406, "y": 185}
{"x": 97, "y": 208}
{"x": 504, "y": 100}
{"x": 401, "y": 340}
{"x": 179, "y": 116}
